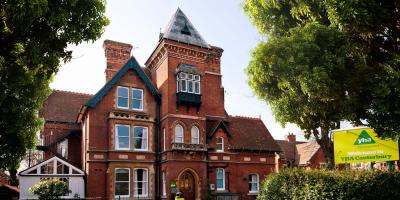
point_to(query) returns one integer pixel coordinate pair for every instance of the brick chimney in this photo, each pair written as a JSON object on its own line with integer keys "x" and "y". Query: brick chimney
{"x": 291, "y": 137}
{"x": 117, "y": 54}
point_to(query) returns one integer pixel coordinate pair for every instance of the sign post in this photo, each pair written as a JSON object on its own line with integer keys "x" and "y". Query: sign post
{"x": 362, "y": 145}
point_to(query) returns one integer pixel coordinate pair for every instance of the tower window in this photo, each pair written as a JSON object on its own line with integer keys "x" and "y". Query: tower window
{"x": 189, "y": 83}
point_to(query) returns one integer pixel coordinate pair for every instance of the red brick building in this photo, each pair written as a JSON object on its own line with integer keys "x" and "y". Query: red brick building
{"x": 160, "y": 129}
{"x": 308, "y": 155}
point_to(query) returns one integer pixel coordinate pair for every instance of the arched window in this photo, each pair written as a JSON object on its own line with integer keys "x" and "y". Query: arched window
{"x": 178, "y": 134}
{"x": 195, "y": 135}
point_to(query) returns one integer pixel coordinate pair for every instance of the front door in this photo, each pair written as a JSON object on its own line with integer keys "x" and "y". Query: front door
{"x": 187, "y": 185}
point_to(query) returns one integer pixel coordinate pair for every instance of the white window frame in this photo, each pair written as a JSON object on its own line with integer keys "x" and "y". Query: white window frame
{"x": 117, "y": 137}
{"x": 164, "y": 185}
{"x": 223, "y": 179}
{"x": 145, "y": 183}
{"x": 251, "y": 182}
{"x": 196, "y": 79}
{"x": 129, "y": 182}
{"x": 164, "y": 142}
{"x": 147, "y": 138}
{"x": 193, "y": 136}
{"x": 63, "y": 145}
{"x": 222, "y": 144}
{"x": 176, "y": 136}
{"x": 142, "y": 99}
{"x": 127, "y": 88}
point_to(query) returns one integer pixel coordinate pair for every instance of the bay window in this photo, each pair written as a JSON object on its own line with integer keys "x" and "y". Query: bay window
{"x": 189, "y": 83}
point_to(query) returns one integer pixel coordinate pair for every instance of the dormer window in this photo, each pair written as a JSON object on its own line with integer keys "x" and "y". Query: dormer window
{"x": 188, "y": 83}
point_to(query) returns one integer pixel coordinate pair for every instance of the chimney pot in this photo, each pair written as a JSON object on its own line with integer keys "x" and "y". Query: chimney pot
{"x": 291, "y": 137}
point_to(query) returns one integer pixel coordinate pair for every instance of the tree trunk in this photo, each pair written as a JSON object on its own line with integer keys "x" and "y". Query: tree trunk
{"x": 327, "y": 146}
{"x": 13, "y": 176}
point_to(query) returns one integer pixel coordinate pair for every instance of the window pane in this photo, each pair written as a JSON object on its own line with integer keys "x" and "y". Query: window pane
{"x": 182, "y": 75}
{"x": 121, "y": 188}
{"x": 137, "y": 104}
{"x": 123, "y": 142}
{"x": 190, "y": 86}
{"x": 122, "y": 175}
{"x": 122, "y": 97}
{"x": 140, "y": 137}
{"x": 190, "y": 77}
{"x": 137, "y": 99}
{"x": 123, "y": 131}
{"x": 62, "y": 169}
{"x": 197, "y": 87}
{"x": 122, "y": 102}
{"x": 137, "y": 94}
{"x": 123, "y": 92}
{"x": 196, "y": 77}
{"x": 183, "y": 85}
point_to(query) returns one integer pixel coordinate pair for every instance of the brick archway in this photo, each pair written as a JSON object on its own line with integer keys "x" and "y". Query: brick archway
{"x": 188, "y": 183}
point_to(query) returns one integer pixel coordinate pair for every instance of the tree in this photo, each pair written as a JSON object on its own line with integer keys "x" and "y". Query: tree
{"x": 34, "y": 36}
{"x": 50, "y": 189}
{"x": 327, "y": 61}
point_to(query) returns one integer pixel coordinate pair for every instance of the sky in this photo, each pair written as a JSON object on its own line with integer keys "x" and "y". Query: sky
{"x": 221, "y": 23}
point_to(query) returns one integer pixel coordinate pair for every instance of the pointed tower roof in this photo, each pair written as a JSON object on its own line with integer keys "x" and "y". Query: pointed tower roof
{"x": 182, "y": 30}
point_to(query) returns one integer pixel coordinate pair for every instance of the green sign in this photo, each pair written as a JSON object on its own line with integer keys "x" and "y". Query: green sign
{"x": 364, "y": 138}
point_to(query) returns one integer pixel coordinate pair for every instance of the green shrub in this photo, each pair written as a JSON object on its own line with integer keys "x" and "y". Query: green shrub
{"x": 50, "y": 189}
{"x": 296, "y": 184}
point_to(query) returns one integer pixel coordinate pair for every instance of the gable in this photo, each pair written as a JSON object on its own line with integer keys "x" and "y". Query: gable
{"x": 54, "y": 166}
{"x": 131, "y": 64}
{"x": 213, "y": 127}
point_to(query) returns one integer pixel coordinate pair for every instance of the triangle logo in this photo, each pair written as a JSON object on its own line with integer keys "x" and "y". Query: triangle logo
{"x": 364, "y": 138}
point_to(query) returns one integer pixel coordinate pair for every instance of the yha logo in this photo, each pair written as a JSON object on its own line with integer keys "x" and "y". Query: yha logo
{"x": 364, "y": 138}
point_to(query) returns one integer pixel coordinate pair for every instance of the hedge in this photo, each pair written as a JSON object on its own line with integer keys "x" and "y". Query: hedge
{"x": 296, "y": 184}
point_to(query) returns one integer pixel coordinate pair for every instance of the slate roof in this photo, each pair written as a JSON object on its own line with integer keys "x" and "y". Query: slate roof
{"x": 306, "y": 151}
{"x": 182, "y": 30}
{"x": 63, "y": 106}
{"x": 250, "y": 134}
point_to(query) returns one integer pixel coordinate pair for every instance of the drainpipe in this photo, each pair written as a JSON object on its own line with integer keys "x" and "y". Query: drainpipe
{"x": 158, "y": 150}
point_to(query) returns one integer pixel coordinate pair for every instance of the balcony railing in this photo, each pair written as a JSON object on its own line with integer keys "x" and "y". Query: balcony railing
{"x": 188, "y": 147}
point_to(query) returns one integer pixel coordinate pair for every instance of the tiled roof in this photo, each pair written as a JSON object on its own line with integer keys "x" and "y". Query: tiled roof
{"x": 63, "y": 106}
{"x": 250, "y": 134}
{"x": 182, "y": 30}
{"x": 306, "y": 151}
{"x": 288, "y": 148}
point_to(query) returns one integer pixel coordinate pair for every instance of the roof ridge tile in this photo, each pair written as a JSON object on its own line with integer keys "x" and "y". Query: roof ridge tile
{"x": 72, "y": 92}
